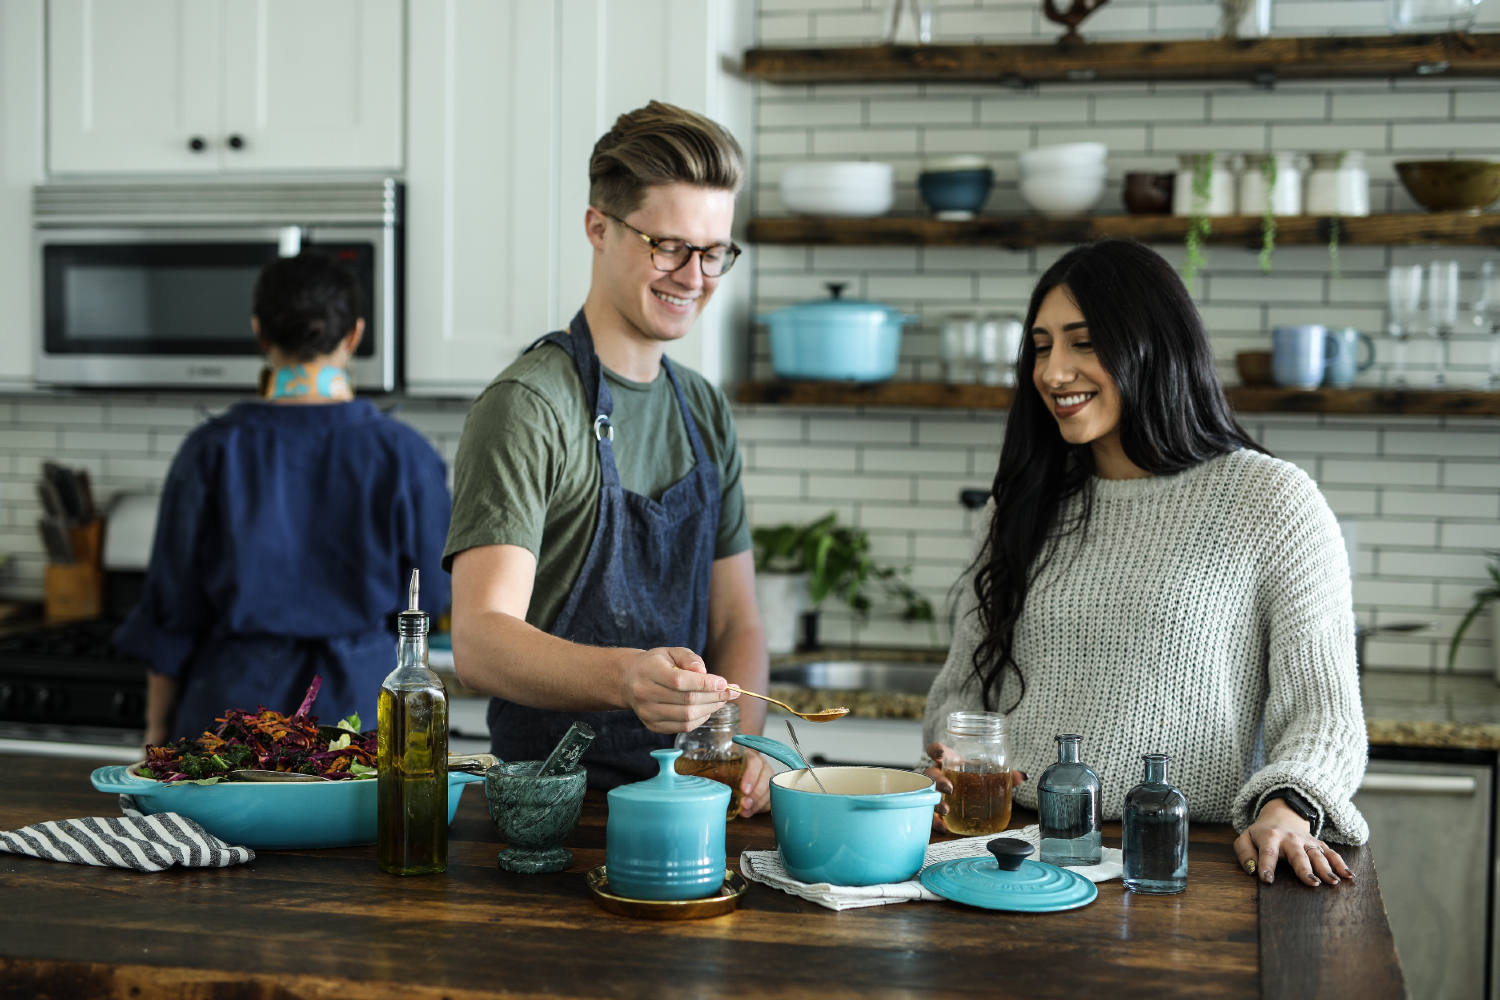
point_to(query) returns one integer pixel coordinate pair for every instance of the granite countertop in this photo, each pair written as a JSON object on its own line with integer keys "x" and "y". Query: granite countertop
{"x": 1448, "y": 711}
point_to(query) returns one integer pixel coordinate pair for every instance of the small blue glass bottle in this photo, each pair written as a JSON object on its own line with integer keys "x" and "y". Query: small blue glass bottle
{"x": 1155, "y": 822}
{"x": 1067, "y": 801}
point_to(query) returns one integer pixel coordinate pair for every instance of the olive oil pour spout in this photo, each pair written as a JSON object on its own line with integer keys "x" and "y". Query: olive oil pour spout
{"x": 413, "y": 590}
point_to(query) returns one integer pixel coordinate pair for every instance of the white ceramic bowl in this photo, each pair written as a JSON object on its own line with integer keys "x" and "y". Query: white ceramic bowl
{"x": 852, "y": 189}
{"x": 1062, "y": 195}
{"x": 1079, "y": 171}
{"x": 1068, "y": 154}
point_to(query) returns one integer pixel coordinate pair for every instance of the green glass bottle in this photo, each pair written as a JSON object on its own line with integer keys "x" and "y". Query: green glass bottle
{"x": 412, "y": 836}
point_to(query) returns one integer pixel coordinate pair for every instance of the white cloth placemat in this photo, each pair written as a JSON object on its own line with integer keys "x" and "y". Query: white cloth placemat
{"x": 765, "y": 867}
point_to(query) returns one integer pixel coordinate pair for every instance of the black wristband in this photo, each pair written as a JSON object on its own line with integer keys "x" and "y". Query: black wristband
{"x": 1297, "y": 804}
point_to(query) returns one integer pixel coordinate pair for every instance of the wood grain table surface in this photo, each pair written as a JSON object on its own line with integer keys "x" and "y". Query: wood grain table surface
{"x": 325, "y": 924}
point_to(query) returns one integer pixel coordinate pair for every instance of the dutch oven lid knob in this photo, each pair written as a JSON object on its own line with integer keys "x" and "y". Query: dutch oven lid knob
{"x": 836, "y": 288}
{"x": 1009, "y": 852}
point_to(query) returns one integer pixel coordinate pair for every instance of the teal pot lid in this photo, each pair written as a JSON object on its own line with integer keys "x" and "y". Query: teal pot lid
{"x": 669, "y": 786}
{"x": 1030, "y": 887}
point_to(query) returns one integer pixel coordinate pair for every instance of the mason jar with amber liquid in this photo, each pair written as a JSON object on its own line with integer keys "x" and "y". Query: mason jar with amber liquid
{"x": 977, "y": 763}
{"x": 710, "y": 752}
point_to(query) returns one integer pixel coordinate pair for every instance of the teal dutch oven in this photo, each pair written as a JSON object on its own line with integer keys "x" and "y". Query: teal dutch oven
{"x": 269, "y": 815}
{"x": 871, "y": 827}
{"x": 665, "y": 835}
{"x": 836, "y": 339}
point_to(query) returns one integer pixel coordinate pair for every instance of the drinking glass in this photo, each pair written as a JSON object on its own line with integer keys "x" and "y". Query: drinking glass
{"x": 1442, "y": 313}
{"x": 1404, "y": 284}
{"x": 1487, "y": 314}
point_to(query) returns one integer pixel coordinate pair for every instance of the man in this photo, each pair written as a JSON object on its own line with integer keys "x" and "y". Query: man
{"x": 599, "y": 543}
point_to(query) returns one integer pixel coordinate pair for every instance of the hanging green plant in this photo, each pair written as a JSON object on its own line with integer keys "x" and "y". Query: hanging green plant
{"x": 1268, "y": 221}
{"x": 1198, "y": 225}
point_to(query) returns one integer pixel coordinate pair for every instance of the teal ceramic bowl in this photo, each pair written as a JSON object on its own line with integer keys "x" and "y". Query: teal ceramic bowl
{"x": 871, "y": 827}
{"x": 269, "y": 815}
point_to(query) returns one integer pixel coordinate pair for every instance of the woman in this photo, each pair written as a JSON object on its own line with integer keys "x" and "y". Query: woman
{"x": 1148, "y": 576}
{"x": 288, "y": 529}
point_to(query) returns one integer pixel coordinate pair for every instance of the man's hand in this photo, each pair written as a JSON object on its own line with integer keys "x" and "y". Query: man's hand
{"x": 671, "y": 691}
{"x": 1281, "y": 833}
{"x": 755, "y": 785}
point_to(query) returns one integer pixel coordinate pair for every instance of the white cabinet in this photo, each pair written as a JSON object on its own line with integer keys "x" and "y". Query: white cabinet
{"x": 224, "y": 86}
{"x": 1430, "y": 840}
{"x": 505, "y": 103}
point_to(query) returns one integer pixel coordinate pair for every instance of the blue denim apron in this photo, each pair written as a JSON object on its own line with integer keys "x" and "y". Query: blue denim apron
{"x": 644, "y": 584}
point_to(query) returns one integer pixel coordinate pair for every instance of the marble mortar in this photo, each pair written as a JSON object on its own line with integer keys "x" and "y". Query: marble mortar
{"x": 534, "y": 815}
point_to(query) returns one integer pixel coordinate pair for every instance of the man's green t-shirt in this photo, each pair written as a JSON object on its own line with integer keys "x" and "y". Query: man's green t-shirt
{"x": 527, "y": 470}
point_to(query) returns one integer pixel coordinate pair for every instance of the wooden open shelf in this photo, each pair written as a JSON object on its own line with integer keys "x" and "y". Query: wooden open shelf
{"x": 940, "y": 395}
{"x": 1017, "y": 231}
{"x": 1260, "y": 59}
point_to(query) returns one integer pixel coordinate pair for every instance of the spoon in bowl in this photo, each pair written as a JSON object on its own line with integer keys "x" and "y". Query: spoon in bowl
{"x": 826, "y": 715}
{"x": 805, "y": 759}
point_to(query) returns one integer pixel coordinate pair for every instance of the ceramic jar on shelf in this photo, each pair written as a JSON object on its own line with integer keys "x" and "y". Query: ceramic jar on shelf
{"x": 1220, "y": 195}
{"x": 1338, "y": 184}
{"x": 1286, "y": 189}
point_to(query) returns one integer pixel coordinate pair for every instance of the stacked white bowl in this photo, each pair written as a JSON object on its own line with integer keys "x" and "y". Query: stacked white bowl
{"x": 1063, "y": 180}
{"x": 854, "y": 189}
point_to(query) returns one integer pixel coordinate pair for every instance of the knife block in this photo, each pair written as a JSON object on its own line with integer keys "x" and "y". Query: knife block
{"x": 75, "y": 590}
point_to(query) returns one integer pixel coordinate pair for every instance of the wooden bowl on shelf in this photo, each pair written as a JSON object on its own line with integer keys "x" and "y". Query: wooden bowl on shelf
{"x": 1254, "y": 368}
{"x": 1451, "y": 185}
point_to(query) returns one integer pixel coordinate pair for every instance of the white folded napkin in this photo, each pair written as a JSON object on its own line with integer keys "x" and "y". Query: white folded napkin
{"x": 144, "y": 843}
{"x": 765, "y": 867}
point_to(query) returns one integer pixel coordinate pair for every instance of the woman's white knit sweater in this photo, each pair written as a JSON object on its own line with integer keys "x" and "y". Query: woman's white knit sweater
{"x": 1205, "y": 615}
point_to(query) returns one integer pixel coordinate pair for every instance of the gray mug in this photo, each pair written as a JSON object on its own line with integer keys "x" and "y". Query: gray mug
{"x": 1344, "y": 366}
{"x": 1300, "y": 355}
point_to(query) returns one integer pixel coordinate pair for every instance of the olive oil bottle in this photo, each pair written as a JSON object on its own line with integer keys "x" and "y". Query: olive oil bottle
{"x": 413, "y": 779}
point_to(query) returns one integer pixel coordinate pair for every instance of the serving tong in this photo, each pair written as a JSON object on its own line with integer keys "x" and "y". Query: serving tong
{"x": 476, "y": 763}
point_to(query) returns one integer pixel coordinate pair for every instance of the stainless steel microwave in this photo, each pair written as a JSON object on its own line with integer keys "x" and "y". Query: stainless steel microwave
{"x": 150, "y": 285}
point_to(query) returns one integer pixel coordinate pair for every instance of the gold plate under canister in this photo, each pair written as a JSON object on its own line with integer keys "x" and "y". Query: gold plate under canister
{"x": 725, "y": 901}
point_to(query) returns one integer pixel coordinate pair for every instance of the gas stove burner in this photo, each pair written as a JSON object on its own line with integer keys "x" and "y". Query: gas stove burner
{"x": 89, "y": 640}
{"x": 71, "y": 678}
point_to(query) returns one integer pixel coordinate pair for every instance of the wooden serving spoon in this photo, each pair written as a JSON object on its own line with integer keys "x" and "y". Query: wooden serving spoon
{"x": 827, "y": 715}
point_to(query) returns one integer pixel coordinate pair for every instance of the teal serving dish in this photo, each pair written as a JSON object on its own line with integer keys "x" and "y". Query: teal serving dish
{"x": 665, "y": 835}
{"x": 269, "y": 815}
{"x": 871, "y": 827}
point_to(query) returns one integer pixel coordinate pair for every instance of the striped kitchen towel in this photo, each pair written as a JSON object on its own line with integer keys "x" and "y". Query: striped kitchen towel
{"x": 145, "y": 843}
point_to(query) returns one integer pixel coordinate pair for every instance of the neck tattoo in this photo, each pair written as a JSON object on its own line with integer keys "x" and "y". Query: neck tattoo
{"x": 309, "y": 381}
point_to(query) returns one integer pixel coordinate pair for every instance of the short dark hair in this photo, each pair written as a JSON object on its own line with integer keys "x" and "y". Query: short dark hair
{"x": 661, "y": 144}
{"x": 306, "y": 304}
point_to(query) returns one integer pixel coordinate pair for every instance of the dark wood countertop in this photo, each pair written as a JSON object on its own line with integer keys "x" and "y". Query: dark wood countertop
{"x": 327, "y": 924}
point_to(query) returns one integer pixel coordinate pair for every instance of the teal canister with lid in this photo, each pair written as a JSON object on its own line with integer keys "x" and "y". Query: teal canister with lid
{"x": 665, "y": 835}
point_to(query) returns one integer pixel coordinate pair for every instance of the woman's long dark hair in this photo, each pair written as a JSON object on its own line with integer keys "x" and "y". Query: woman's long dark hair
{"x": 1147, "y": 334}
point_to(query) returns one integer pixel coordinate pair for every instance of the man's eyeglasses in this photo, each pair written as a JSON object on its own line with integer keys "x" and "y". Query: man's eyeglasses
{"x": 671, "y": 254}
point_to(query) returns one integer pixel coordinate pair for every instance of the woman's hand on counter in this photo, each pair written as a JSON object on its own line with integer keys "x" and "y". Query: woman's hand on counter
{"x": 671, "y": 691}
{"x": 1277, "y": 833}
{"x": 755, "y": 785}
{"x": 936, "y": 752}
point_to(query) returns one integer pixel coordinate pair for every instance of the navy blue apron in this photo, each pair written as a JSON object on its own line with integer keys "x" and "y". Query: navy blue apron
{"x": 644, "y": 584}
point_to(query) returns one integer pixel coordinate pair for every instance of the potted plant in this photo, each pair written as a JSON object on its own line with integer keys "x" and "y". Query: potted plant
{"x": 1482, "y": 599}
{"x": 799, "y": 566}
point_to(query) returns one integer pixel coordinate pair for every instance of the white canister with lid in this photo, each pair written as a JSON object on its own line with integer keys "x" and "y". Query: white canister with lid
{"x": 1220, "y": 186}
{"x": 1338, "y": 184}
{"x": 1286, "y": 191}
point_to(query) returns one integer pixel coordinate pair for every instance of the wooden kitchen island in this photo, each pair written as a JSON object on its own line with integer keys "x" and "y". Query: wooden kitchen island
{"x": 326, "y": 924}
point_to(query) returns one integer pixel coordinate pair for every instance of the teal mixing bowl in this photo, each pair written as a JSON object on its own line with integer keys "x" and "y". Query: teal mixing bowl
{"x": 269, "y": 815}
{"x": 871, "y": 827}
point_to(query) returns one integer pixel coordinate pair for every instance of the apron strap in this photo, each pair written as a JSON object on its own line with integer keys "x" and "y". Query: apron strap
{"x": 579, "y": 343}
{"x": 700, "y": 454}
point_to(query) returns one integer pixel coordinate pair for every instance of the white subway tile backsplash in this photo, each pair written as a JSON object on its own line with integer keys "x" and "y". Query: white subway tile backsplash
{"x": 1444, "y": 504}
{"x": 1456, "y": 440}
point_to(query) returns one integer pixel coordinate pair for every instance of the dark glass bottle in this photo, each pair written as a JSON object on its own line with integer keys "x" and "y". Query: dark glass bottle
{"x": 1155, "y": 822}
{"x": 412, "y": 812}
{"x": 1067, "y": 801}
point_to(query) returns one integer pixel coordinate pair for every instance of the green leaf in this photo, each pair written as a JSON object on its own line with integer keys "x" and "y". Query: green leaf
{"x": 194, "y": 781}
{"x": 362, "y": 770}
{"x": 340, "y": 743}
{"x": 351, "y": 723}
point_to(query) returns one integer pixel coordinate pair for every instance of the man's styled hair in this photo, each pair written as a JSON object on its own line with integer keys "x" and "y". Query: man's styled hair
{"x": 661, "y": 144}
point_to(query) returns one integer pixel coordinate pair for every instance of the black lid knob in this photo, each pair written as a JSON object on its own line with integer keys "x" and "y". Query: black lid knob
{"x": 1009, "y": 852}
{"x": 836, "y": 288}
{"x": 196, "y": 144}
{"x": 236, "y": 142}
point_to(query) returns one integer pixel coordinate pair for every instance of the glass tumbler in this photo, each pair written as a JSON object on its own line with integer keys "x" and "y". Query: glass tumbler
{"x": 978, "y": 765}
{"x": 1404, "y": 285}
{"x": 1067, "y": 801}
{"x": 1154, "y": 824}
{"x": 1487, "y": 315}
{"x": 710, "y": 752}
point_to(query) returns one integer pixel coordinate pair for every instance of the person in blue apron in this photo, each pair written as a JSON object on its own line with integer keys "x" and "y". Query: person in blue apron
{"x": 600, "y": 551}
{"x": 288, "y": 529}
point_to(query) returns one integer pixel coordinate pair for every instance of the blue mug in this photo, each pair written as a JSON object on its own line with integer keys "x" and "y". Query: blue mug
{"x": 1345, "y": 366}
{"x": 1300, "y": 355}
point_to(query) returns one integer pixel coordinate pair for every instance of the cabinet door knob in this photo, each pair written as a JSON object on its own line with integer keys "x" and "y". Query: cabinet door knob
{"x": 196, "y": 144}
{"x": 236, "y": 141}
